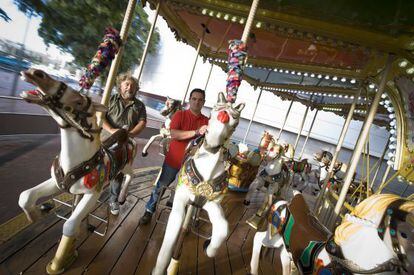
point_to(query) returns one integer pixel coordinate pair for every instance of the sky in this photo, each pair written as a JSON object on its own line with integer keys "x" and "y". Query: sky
{"x": 167, "y": 73}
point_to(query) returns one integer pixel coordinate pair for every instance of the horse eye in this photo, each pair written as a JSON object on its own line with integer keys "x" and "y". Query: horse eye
{"x": 404, "y": 235}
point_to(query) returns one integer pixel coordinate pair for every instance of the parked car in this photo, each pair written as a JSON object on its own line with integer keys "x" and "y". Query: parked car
{"x": 11, "y": 63}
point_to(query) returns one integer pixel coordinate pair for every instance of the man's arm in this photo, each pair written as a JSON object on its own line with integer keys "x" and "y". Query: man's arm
{"x": 138, "y": 128}
{"x": 182, "y": 135}
{"x": 108, "y": 127}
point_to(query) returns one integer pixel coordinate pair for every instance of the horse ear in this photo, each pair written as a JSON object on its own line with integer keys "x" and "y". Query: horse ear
{"x": 168, "y": 98}
{"x": 240, "y": 107}
{"x": 221, "y": 98}
{"x": 99, "y": 107}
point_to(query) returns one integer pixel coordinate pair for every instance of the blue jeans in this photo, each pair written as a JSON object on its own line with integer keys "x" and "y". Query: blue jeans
{"x": 115, "y": 188}
{"x": 167, "y": 176}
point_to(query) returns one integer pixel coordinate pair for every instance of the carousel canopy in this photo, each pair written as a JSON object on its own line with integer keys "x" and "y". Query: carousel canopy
{"x": 316, "y": 52}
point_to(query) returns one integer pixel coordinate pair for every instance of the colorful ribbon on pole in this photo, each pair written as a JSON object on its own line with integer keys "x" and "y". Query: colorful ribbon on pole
{"x": 236, "y": 55}
{"x": 103, "y": 57}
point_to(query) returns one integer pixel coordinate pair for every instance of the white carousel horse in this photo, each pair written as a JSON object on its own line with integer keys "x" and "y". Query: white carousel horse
{"x": 202, "y": 182}
{"x": 275, "y": 177}
{"x": 377, "y": 237}
{"x": 170, "y": 108}
{"x": 274, "y": 174}
{"x": 83, "y": 166}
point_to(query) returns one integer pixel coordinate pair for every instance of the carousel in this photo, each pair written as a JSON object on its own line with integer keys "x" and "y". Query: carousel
{"x": 238, "y": 208}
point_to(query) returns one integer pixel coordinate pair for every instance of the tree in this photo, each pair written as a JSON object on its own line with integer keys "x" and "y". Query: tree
{"x": 77, "y": 27}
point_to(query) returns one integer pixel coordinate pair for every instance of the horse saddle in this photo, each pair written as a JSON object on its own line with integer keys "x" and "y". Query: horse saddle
{"x": 299, "y": 166}
{"x": 309, "y": 234}
{"x": 116, "y": 146}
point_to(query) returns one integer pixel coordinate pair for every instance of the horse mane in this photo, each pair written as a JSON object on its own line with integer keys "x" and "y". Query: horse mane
{"x": 371, "y": 209}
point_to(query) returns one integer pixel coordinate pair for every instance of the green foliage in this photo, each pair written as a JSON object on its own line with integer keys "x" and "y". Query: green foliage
{"x": 77, "y": 27}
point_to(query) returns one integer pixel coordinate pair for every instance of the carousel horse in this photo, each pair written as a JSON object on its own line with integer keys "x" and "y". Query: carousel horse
{"x": 202, "y": 183}
{"x": 376, "y": 237}
{"x": 83, "y": 166}
{"x": 274, "y": 177}
{"x": 170, "y": 108}
{"x": 309, "y": 177}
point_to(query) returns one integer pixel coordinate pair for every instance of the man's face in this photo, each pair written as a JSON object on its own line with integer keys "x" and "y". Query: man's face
{"x": 196, "y": 102}
{"x": 128, "y": 89}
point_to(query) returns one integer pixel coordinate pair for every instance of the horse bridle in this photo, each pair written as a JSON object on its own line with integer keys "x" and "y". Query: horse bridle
{"x": 389, "y": 220}
{"x": 83, "y": 127}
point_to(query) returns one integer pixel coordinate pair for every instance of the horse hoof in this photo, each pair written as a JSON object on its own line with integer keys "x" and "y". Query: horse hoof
{"x": 31, "y": 214}
{"x": 205, "y": 245}
{"x": 246, "y": 202}
{"x": 46, "y": 207}
{"x": 91, "y": 228}
{"x": 144, "y": 154}
{"x": 121, "y": 202}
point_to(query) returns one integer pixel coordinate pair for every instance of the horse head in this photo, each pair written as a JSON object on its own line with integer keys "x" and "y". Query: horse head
{"x": 224, "y": 119}
{"x": 68, "y": 107}
{"x": 266, "y": 141}
{"x": 324, "y": 156}
{"x": 378, "y": 235}
{"x": 171, "y": 106}
{"x": 274, "y": 152}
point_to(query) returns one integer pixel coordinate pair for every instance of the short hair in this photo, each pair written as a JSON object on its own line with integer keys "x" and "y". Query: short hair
{"x": 126, "y": 76}
{"x": 197, "y": 90}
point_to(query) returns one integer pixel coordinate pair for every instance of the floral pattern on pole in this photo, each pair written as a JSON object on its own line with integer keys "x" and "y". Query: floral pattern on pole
{"x": 236, "y": 55}
{"x": 103, "y": 57}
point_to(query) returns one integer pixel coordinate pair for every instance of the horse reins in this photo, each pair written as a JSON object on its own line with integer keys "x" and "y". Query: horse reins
{"x": 53, "y": 102}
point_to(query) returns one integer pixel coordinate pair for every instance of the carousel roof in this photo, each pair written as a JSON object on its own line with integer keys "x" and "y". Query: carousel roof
{"x": 315, "y": 52}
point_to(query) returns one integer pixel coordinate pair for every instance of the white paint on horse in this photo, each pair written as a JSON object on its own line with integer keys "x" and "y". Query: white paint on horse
{"x": 209, "y": 160}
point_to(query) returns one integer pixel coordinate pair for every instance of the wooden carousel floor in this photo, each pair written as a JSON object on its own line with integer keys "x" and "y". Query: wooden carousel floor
{"x": 131, "y": 248}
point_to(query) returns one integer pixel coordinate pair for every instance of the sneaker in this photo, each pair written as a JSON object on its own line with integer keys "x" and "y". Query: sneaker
{"x": 114, "y": 206}
{"x": 146, "y": 218}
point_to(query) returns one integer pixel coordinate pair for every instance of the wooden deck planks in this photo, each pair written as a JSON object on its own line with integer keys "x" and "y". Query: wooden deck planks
{"x": 131, "y": 248}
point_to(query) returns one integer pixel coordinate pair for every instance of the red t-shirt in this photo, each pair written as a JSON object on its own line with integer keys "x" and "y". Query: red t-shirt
{"x": 186, "y": 121}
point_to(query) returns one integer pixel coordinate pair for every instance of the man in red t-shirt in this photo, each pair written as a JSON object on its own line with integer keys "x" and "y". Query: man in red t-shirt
{"x": 185, "y": 125}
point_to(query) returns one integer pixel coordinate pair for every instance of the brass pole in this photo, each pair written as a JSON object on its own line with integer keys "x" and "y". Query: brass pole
{"x": 360, "y": 143}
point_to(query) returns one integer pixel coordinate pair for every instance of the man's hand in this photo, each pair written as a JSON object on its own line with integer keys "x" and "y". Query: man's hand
{"x": 201, "y": 131}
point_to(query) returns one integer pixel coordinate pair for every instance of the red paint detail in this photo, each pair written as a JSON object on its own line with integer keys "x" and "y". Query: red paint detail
{"x": 91, "y": 179}
{"x": 33, "y": 92}
{"x": 223, "y": 117}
